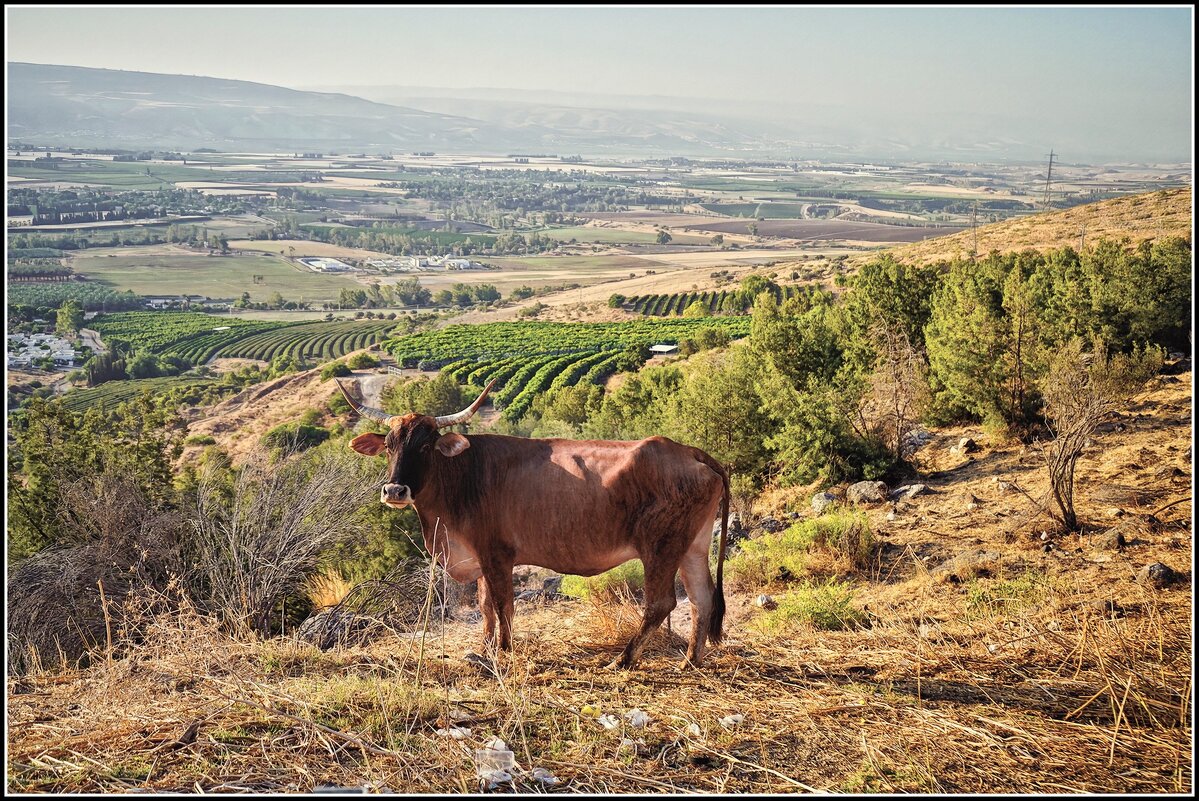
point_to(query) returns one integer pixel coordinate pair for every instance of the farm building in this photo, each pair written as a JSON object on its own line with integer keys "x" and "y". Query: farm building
{"x": 661, "y": 350}
{"x": 325, "y": 265}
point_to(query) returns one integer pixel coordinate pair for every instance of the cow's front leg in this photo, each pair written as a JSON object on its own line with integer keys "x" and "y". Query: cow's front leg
{"x": 497, "y": 577}
{"x": 487, "y": 608}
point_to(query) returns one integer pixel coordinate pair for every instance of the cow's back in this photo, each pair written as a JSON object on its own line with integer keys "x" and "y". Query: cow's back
{"x": 581, "y": 506}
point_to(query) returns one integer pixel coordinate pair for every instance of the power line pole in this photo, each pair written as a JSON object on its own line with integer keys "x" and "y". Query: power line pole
{"x": 1048, "y": 177}
{"x": 974, "y": 229}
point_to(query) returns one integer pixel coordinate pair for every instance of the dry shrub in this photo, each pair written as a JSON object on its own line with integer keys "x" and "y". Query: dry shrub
{"x": 412, "y": 596}
{"x": 1080, "y": 391}
{"x": 899, "y": 393}
{"x": 66, "y": 600}
{"x": 327, "y": 588}
{"x": 258, "y": 540}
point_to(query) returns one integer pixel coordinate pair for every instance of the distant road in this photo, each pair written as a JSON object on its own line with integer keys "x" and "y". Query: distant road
{"x": 92, "y": 340}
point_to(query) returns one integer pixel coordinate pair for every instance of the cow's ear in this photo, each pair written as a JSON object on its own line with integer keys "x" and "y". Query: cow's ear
{"x": 452, "y": 444}
{"x": 369, "y": 444}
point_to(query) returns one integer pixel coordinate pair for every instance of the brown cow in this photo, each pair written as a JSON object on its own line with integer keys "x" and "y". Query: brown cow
{"x": 488, "y": 502}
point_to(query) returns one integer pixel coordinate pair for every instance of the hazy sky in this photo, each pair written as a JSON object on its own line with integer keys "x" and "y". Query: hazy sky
{"x": 1098, "y": 66}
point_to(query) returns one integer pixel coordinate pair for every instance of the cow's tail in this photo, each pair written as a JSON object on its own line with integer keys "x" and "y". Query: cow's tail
{"x": 716, "y": 626}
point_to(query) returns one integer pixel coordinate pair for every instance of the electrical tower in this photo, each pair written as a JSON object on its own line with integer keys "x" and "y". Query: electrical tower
{"x": 1048, "y": 178}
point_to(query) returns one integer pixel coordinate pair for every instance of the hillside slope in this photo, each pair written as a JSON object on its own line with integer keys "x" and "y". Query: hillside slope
{"x": 1167, "y": 212}
{"x": 988, "y": 661}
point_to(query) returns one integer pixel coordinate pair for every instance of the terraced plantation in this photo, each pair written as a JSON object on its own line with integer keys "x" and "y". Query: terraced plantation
{"x": 528, "y": 358}
{"x": 312, "y": 341}
{"x": 113, "y": 393}
{"x": 436, "y": 349}
{"x": 723, "y": 302}
{"x": 201, "y": 337}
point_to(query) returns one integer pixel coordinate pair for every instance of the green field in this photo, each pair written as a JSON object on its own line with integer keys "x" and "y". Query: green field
{"x": 211, "y": 276}
{"x": 199, "y": 337}
{"x": 114, "y": 392}
{"x": 767, "y": 210}
{"x": 618, "y": 236}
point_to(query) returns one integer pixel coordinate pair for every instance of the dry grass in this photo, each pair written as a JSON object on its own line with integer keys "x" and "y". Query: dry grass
{"x": 1151, "y": 215}
{"x": 1050, "y": 672}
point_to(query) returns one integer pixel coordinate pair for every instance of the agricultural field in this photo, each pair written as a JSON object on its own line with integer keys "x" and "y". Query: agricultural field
{"x": 817, "y": 230}
{"x": 199, "y": 338}
{"x": 714, "y": 302}
{"x": 503, "y": 340}
{"x": 166, "y": 270}
{"x": 316, "y": 341}
{"x": 111, "y": 393}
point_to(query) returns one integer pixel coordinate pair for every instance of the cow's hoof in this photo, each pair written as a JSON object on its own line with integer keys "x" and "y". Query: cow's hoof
{"x": 619, "y": 664}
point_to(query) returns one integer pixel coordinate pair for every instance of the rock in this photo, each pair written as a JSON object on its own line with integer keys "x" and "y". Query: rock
{"x": 866, "y": 492}
{"x": 553, "y": 584}
{"x": 1114, "y": 512}
{"x": 792, "y": 515}
{"x": 967, "y": 564}
{"x": 910, "y": 491}
{"x": 967, "y": 445}
{"x": 770, "y": 524}
{"x": 329, "y": 628}
{"x": 1003, "y": 486}
{"x": 821, "y": 501}
{"x": 766, "y": 602}
{"x": 970, "y": 501}
{"x": 1110, "y": 540}
{"x": 528, "y": 595}
{"x": 1157, "y": 575}
{"x": 891, "y": 516}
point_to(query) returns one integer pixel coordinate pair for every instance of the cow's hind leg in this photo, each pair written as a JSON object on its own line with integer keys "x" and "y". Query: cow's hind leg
{"x": 659, "y": 601}
{"x": 697, "y": 578}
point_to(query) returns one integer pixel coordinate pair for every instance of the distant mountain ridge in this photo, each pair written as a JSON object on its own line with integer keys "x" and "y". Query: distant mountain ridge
{"x": 88, "y": 106}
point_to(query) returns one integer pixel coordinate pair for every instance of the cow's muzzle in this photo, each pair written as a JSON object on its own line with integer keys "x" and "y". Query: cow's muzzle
{"x": 397, "y": 495}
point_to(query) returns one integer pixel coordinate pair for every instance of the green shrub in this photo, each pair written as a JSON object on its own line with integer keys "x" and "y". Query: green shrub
{"x": 628, "y": 577}
{"x": 360, "y": 361}
{"x": 335, "y": 369}
{"x": 295, "y": 435}
{"x": 825, "y": 607}
{"x": 844, "y": 535}
{"x": 200, "y": 439}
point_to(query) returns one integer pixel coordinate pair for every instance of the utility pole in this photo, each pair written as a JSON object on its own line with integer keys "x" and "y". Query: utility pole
{"x": 974, "y": 229}
{"x": 1048, "y": 177}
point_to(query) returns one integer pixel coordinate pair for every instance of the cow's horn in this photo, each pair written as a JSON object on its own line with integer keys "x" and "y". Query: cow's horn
{"x": 468, "y": 412}
{"x": 365, "y": 411}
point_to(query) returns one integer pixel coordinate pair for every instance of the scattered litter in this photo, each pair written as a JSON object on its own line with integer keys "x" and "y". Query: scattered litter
{"x": 636, "y": 718}
{"x": 458, "y": 715}
{"x": 766, "y": 602}
{"x": 590, "y": 710}
{"x": 630, "y": 745}
{"x": 694, "y": 730}
{"x": 543, "y": 776}
{"x": 608, "y": 722}
{"x": 493, "y": 761}
{"x": 729, "y": 721}
{"x": 457, "y": 732}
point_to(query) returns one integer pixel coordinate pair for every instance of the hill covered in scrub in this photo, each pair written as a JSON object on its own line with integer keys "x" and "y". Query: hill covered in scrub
{"x": 1148, "y": 216}
{"x": 966, "y": 654}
